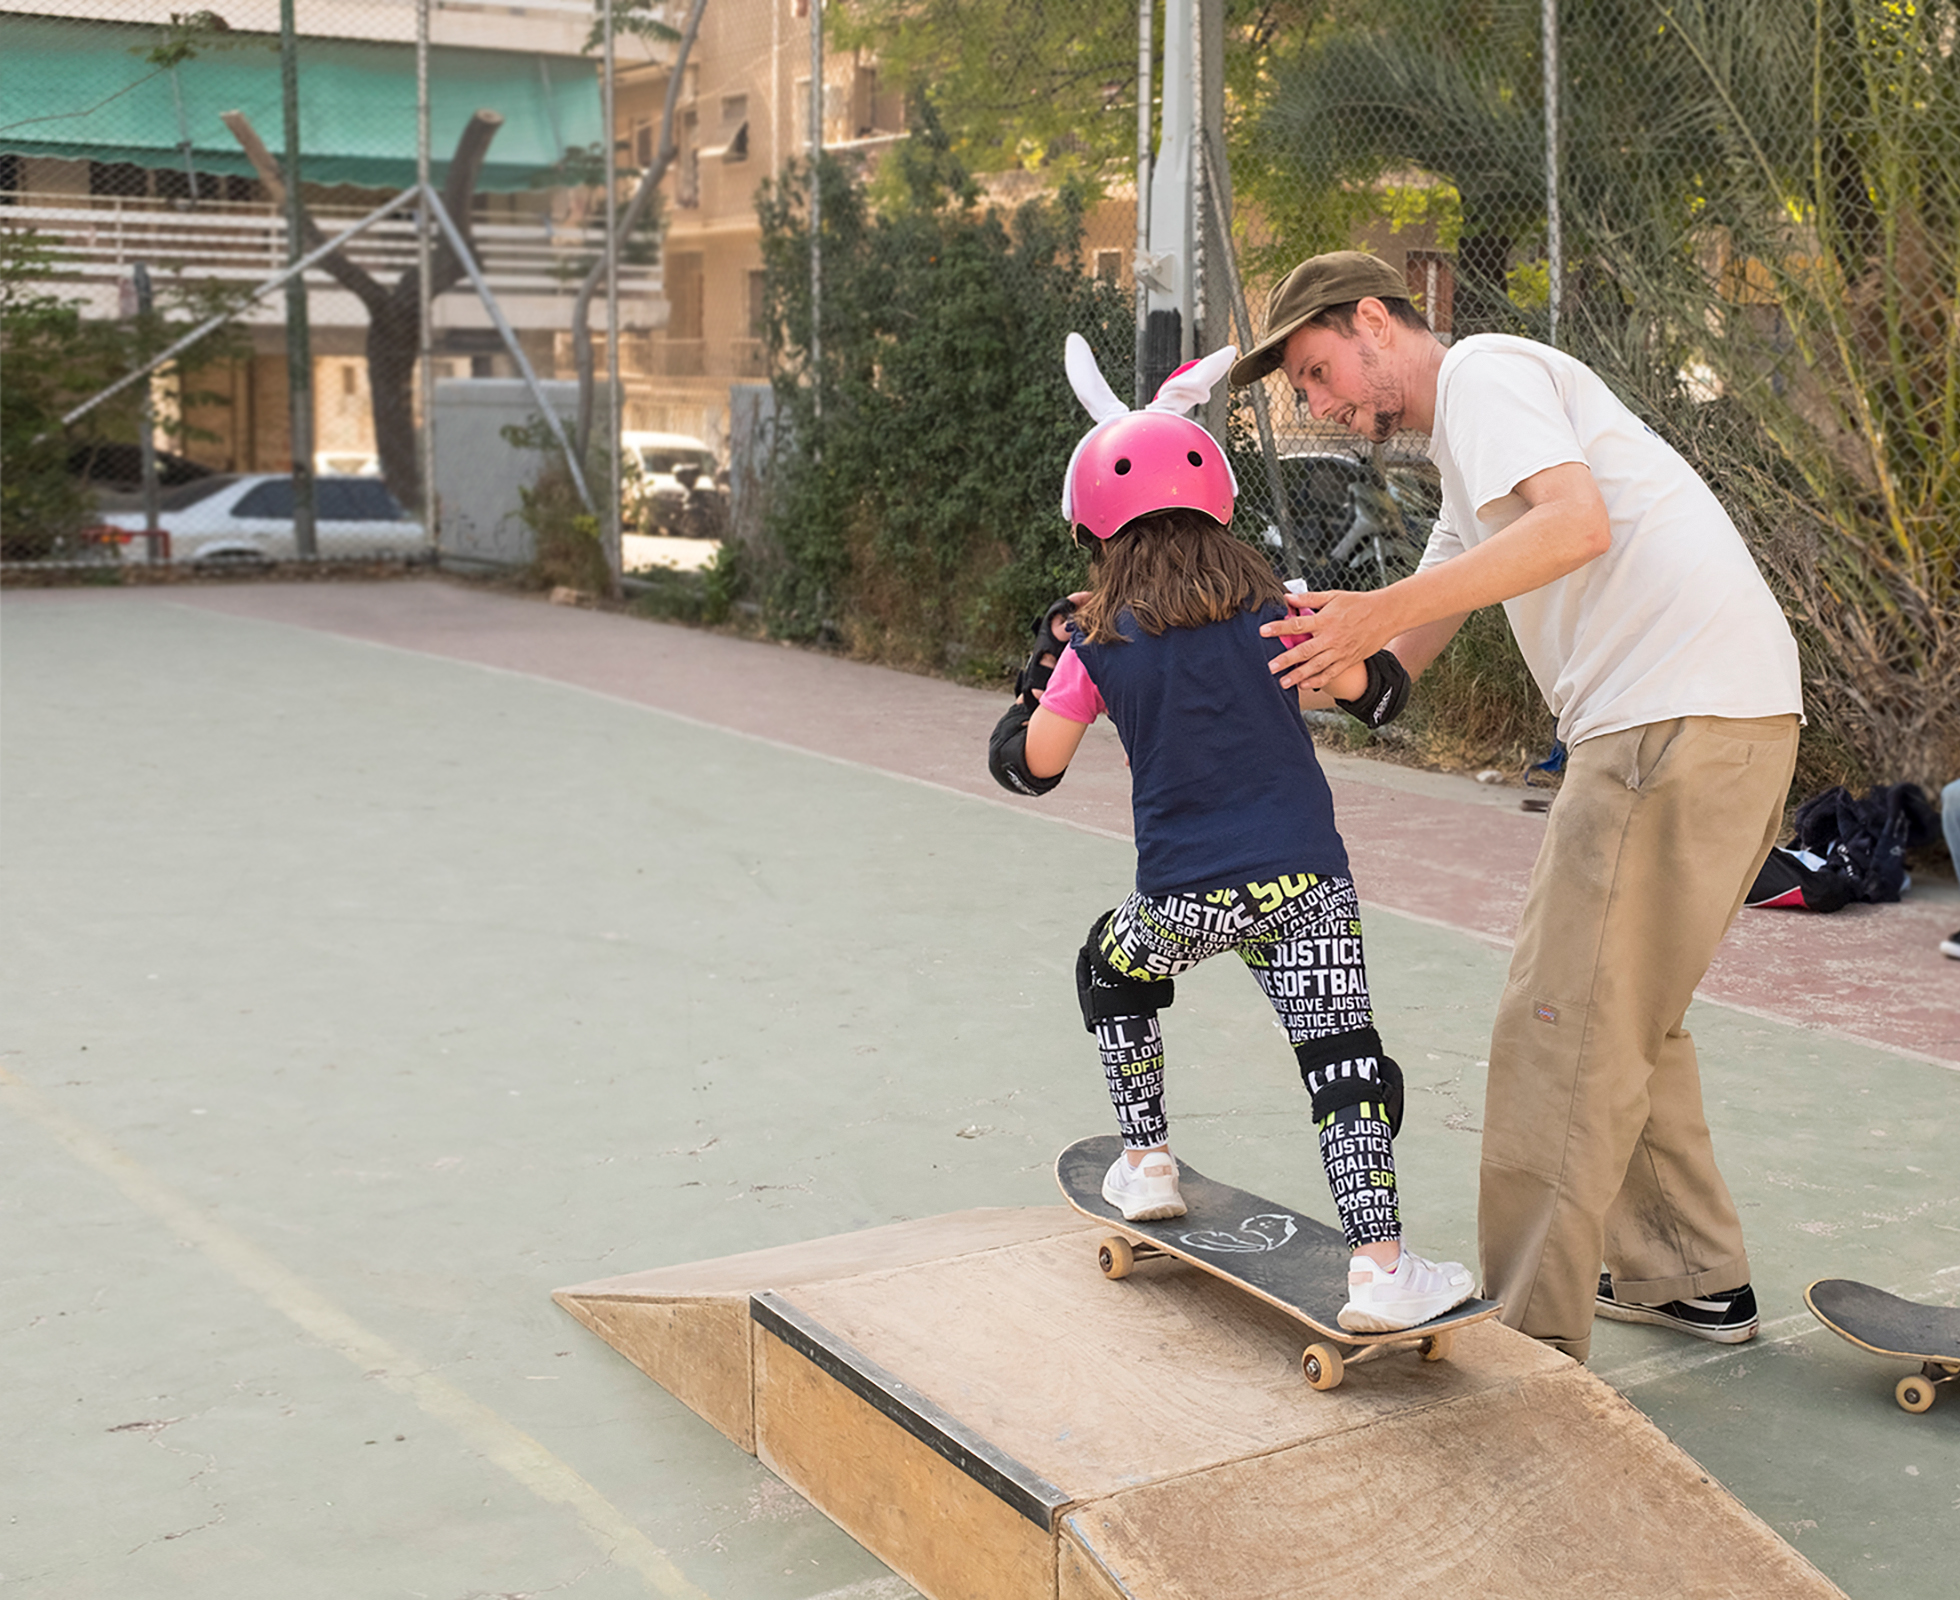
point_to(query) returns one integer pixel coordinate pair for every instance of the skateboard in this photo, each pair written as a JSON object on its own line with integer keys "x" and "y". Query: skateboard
{"x": 1888, "y": 1326}
{"x": 1288, "y": 1260}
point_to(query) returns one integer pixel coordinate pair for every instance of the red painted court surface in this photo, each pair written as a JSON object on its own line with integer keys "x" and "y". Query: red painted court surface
{"x": 1438, "y": 847}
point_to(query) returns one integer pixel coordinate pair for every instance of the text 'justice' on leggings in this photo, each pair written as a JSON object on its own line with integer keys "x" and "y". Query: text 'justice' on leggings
{"x": 1300, "y": 937}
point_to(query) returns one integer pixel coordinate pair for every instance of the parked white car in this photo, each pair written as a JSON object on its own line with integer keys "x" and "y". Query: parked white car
{"x": 247, "y": 519}
{"x": 671, "y": 485}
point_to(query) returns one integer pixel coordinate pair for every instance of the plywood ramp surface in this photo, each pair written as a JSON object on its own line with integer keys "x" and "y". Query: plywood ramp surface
{"x": 687, "y": 1326}
{"x": 1100, "y": 1386}
{"x": 969, "y": 1397}
{"x": 1550, "y": 1488}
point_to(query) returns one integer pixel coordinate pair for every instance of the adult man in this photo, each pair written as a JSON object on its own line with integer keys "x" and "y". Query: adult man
{"x": 1674, "y": 679}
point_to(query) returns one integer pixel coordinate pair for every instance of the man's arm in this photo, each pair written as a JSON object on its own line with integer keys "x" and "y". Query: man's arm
{"x": 1565, "y": 527}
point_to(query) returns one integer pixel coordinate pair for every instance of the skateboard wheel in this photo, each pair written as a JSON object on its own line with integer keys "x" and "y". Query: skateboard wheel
{"x": 1437, "y": 1346}
{"x": 1116, "y": 1258}
{"x": 1914, "y": 1393}
{"x": 1323, "y": 1366}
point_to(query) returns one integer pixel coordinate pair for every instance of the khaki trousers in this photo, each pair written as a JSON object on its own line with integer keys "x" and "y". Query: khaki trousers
{"x": 1595, "y": 1147}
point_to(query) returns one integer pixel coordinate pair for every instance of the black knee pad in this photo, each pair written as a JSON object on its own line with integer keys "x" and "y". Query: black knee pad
{"x": 1350, "y": 1087}
{"x": 1105, "y": 992}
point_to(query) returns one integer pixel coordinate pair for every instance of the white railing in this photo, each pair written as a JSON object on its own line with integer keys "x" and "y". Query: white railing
{"x": 102, "y": 236}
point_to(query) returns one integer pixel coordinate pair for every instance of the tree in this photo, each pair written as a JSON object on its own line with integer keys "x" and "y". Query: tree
{"x": 1763, "y": 194}
{"x": 394, "y": 313}
{"x": 1049, "y": 87}
{"x": 55, "y": 357}
{"x": 915, "y": 506}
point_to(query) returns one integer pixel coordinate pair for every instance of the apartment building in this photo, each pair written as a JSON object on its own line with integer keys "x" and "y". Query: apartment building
{"x": 112, "y": 149}
{"x": 742, "y": 114}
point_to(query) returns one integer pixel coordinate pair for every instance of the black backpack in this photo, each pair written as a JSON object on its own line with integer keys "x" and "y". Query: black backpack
{"x": 1867, "y": 839}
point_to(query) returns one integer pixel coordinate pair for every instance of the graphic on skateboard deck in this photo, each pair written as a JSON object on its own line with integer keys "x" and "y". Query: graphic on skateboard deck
{"x": 1888, "y": 1326}
{"x": 1286, "y": 1259}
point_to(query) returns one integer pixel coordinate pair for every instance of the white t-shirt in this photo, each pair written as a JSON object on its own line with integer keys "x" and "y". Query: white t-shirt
{"x": 1674, "y": 620}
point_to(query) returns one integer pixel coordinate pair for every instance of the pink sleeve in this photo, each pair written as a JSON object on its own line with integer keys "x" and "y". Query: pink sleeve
{"x": 1071, "y": 693}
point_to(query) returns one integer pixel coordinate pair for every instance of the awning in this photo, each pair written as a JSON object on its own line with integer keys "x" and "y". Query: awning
{"x": 85, "y": 90}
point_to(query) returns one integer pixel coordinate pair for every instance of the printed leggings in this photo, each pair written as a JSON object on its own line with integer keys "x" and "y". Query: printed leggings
{"x": 1300, "y": 936}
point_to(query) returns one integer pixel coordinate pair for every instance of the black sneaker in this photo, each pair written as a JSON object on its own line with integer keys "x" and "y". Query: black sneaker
{"x": 1726, "y": 1318}
{"x": 1950, "y": 946}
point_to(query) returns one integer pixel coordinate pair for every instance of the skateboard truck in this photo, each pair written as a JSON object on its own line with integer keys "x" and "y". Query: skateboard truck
{"x": 1324, "y": 1364}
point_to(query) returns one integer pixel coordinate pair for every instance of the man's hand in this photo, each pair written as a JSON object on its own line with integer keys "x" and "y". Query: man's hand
{"x": 1343, "y": 627}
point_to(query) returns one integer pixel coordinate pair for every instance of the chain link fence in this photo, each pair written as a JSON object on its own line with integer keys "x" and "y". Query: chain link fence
{"x": 439, "y": 170}
{"x": 1743, "y": 214}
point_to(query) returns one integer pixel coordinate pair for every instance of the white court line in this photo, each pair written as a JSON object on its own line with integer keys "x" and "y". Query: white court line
{"x": 1785, "y": 1330}
{"x": 535, "y": 1467}
{"x": 1655, "y": 1368}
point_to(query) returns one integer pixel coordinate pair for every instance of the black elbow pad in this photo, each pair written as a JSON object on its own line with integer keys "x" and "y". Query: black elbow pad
{"x": 1387, "y": 692}
{"x": 1007, "y": 754}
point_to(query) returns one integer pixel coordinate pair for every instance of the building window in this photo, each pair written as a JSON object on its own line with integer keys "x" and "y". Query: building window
{"x": 685, "y": 284}
{"x": 687, "y": 177}
{"x": 758, "y": 305}
{"x": 734, "y": 128}
{"x": 1109, "y": 266}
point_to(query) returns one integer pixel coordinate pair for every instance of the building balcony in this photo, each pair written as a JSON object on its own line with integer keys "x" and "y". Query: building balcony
{"x": 532, "y": 266}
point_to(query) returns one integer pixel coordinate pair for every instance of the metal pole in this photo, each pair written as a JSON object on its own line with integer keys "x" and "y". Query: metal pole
{"x": 147, "y": 440}
{"x": 615, "y": 555}
{"x": 1145, "y": 64}
{"x": 1289, "y": 538}
{"x": 1554, "y": 229}
{"x": 299, "y": 352}
{"x": 425, "y": 266}
{"x": 816, "y": 213}
{"x": 184, "y": 146}
{"x": 509, "y": 335}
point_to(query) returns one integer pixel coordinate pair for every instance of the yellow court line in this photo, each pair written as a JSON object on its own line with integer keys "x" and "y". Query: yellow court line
{"x": 320, "y": 1319}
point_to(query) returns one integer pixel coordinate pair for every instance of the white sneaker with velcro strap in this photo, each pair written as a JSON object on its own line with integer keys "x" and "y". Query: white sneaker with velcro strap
{"x": 1147, "y": 1191}
{"x": 1384, "y": 1300}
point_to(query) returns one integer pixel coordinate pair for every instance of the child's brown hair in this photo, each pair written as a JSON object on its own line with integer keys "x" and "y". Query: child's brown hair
{"x": 1173, "y": 569}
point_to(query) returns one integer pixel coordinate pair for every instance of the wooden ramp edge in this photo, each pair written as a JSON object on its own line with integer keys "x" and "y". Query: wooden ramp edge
{"x": 971, "y": 1400}
{"x": 687, "y": 1327}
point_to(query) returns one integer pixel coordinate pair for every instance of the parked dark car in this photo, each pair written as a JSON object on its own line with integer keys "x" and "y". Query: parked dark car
{"x": 118, "y": 468}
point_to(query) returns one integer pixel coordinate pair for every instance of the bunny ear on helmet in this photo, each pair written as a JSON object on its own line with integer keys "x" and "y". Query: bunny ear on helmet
{"x": 1192, "y": 383}
{"x": 1086, "y": 379}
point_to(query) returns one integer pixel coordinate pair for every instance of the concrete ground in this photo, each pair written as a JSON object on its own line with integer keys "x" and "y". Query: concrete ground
{"x": 378, "y": 958}
{"x": 641, "y": 551}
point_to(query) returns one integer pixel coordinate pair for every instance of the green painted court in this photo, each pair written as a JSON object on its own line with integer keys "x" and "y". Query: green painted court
{"x": 380, "y": 958}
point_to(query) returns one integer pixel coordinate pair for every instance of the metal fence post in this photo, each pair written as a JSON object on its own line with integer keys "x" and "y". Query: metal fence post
{"x": 816, "y": 215}
{"x": 1554, "y": 232}
{"x": 425, "y": 262}
{"x": 299, "y": 350}
{"x": 1146, "y": 75}
{"x": 615, "y": 553}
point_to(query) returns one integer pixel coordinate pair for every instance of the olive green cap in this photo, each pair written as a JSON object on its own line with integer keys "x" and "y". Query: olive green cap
{"x": 1336, "y": 279}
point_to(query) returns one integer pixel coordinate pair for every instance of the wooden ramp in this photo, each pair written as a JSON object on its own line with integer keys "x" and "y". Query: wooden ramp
{"x": 970, "y": 1399}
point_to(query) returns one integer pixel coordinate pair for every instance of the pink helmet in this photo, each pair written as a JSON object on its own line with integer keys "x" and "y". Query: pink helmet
{"x": 1132, "y": 463}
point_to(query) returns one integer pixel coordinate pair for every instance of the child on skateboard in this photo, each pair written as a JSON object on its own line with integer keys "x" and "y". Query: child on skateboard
{"x": 1236, "y": 844}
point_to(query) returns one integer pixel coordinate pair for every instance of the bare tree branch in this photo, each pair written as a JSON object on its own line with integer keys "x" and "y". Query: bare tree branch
{"x": 393, "y": 312}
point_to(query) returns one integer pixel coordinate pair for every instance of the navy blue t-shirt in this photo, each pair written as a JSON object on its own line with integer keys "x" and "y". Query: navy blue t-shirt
{"x": 1224, "y": 785}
